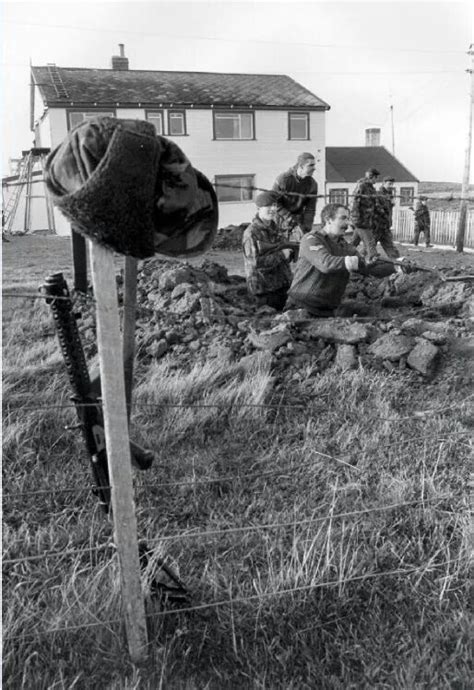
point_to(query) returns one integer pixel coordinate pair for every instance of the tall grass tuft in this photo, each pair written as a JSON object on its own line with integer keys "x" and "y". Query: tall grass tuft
{"x": 322, "y": 532}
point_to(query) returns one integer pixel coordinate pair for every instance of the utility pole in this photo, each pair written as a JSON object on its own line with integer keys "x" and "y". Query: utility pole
{"x": 467, "y": 163}
{"x": 393, "y": 129}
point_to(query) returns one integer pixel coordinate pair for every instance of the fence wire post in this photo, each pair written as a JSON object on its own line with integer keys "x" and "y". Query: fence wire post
{"x": 128, "y": 329}
{"x": 118, "y": 446}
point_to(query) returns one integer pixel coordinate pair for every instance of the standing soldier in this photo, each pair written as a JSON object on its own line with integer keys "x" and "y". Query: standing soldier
{"x": 422, "y": 221}
{"x": 363, "y": 211}
{"x": 383, "y": 218}
{"x": 297, "y": 192}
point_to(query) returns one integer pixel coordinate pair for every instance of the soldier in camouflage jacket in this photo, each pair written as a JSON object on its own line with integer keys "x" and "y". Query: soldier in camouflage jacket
{"x": 267, "y": 268}
{"x": 422, "y": 221}
{"x": 297, "y": 192}
{"x": 383, "y": 218}
{"x": 363, "y": 211}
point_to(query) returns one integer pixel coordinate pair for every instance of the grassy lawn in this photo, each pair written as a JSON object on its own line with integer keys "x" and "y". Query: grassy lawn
{"x": 322, "y": 533}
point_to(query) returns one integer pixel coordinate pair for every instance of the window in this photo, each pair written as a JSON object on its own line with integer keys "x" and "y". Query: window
{"x": 298, "y": 125}
{"x": 230, "y": 125}
{"x": 176, "y": 123}
{"x": 339, "y": 196}
{"x": 76, "y": 116}
{"x": 156, "y": 119}
{"x": 407, "y": 195}
{"x": 234, "y": 187}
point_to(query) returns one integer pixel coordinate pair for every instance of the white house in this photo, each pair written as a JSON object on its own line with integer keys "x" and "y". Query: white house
{"x": 240, "y": 130}
{"x": 347, "y": 164}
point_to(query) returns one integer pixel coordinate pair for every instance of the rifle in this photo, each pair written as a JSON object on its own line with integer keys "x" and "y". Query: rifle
{"x": 284, "y": 245}
{"x": 87, "y": 400}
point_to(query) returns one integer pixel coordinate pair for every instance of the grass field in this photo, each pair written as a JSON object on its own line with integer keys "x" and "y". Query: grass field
{"x": 324, "y": 539}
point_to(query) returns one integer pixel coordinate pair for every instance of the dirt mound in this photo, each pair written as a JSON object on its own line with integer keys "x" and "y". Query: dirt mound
{"x": 230, "y": 237}
{"x": 414, "y": 325}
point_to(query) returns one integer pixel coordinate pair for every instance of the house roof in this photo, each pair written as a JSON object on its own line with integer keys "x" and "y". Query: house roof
{"x": 65, "y": 86}
{"x": 349, "y": 163}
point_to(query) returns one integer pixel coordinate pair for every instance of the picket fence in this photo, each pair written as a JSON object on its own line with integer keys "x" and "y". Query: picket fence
{"x": 444, "y": 225}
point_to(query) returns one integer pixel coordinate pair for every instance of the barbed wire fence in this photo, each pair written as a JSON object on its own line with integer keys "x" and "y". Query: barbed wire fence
{"x": 238, "y": 530}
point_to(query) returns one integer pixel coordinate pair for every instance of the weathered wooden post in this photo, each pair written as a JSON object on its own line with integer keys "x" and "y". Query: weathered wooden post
{"x": 118, "y": 446}
{"x": 79, "y": 260}
{"x": 128, "y": 326}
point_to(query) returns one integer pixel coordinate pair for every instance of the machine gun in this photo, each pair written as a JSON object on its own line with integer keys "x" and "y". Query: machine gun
{"x": 379, "y": 260}
{"x": 87, "y": 399}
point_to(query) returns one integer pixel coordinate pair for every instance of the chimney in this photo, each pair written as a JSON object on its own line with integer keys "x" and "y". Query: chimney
{"x": 120, "y": 62}
{"x": 372, "y": 137}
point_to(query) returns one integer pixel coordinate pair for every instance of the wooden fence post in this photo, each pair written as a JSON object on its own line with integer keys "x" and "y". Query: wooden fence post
{"x": 128, "y": 327}
{"x": 79, "y": 260}
{"x": 118, "y": 446}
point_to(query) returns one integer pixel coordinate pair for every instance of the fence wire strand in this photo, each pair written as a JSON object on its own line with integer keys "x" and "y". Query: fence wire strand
{"x": 232, "y": 530}
{"x": 244, "y": 600}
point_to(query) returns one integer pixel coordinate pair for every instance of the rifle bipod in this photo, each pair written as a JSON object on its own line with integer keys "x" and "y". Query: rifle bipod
{"x": 87, "y": 400}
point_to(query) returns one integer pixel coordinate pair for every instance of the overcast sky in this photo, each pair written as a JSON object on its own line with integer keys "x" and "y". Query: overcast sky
{"x": 357, "y": 56}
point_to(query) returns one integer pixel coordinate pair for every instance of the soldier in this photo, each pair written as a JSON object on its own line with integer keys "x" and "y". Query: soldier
{"x": 267, "y": 269}
{"x": 325, "y": 263}
{"x": 363, "y": 211}
{"x": 297, "y": 212}
{"x": 422, "y": 221}
{"x": 383, "y": 217}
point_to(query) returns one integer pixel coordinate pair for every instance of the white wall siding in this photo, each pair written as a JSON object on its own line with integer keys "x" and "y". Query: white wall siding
{"x": 265, "y": 157}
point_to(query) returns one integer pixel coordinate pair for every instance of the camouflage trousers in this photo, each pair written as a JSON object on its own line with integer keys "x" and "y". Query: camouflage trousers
{"x": 382, "y": 236}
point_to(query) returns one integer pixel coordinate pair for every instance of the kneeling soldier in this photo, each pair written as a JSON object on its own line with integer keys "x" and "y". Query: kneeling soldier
{"x": 267, "y": 268}
{"x": 325, "y": 263}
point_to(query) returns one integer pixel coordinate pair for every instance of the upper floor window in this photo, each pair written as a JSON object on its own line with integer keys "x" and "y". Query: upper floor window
{"x": 407, "y": 195}
{"x": 231, "y": 125}
{"x": 298, "y": 126}
{"x": 156, "y": 119}
{"x": 176, "y": 123}
{"x": 78, "y": 116}
{"x": 234, "y": 187}
{"x": 339, "y": 196}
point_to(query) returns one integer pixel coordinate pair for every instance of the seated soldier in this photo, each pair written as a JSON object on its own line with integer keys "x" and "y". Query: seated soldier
{"x": 325, "y": 263}
{"x": 267, "y": 268}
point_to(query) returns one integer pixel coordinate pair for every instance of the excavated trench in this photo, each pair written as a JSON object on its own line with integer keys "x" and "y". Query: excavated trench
{"x": 415, "y": 325}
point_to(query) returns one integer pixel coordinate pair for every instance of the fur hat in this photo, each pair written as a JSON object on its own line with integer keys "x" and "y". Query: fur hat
{"x": 131, "y": 190}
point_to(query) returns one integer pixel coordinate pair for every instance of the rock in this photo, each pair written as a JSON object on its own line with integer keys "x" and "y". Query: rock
{"x": 423, "y": 357}
{"x": 434, "y": 337}
{"x": 172, "y": 277}
{"x": 221, "y": 352}
{"x": 188, "y": 303}
{"x": 182, "y": 289}
{"x": 391, "y": 347}
{"x": 215, "y": 272}
{"x": 272, "y": 339}
{"x": 447, "y": 293}
{"x": 293, "y": 316}
{"x": 346, "y": 357}
{"x": 468, "y": 307}
{"x": 416, "y": 326}
{"x": 339, "y": 330}
{"x": 296, "y": 348}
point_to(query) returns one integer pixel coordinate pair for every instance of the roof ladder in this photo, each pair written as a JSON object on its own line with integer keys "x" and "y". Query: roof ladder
{"x": 57, "y": 81}
{"x": 24, "y": 186}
